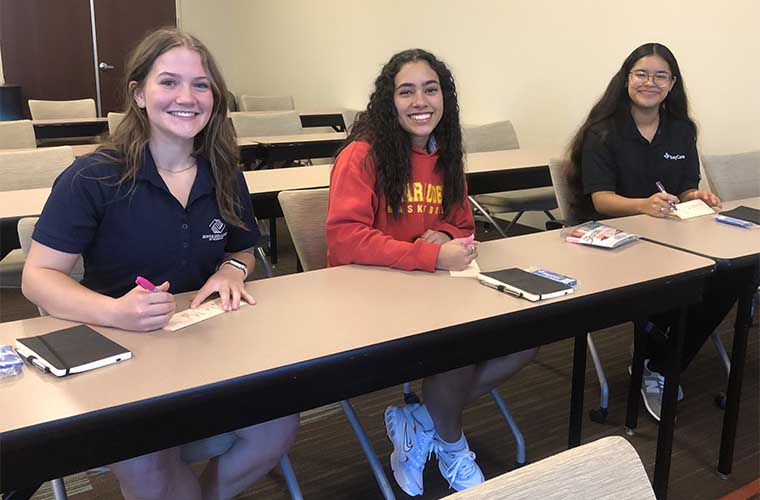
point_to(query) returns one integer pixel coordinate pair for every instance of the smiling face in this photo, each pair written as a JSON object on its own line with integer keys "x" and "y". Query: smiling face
{"x": 419, "y": 100}
{"x": 177, "y": 96}
{"x": 649, "y": 82}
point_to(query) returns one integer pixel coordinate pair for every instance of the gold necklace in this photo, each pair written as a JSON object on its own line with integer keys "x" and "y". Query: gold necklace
{"x": 192, "y": 164}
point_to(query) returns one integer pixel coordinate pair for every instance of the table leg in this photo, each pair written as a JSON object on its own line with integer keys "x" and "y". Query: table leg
{"x": 668, "y": 411}
{"x": 637, "y": 367}
{"x": 733, "y": 393}
{"x": 576, "y": 396}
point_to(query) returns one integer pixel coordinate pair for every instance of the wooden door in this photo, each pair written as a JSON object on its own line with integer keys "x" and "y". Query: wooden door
{"x": 120, "y": 26}
{"x": 47, "y": 48}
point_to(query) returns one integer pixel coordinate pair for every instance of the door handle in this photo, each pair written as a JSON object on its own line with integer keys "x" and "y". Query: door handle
{"x": 105, "y": 66}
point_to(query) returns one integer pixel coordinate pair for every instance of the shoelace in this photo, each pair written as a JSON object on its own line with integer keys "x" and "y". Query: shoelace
{"x": 660, "y": 385}
{"x": 421, "y": 452}
{"x": 463, "y": 464}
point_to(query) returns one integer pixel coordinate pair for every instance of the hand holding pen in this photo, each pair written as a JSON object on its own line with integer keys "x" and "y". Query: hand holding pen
{"x": 144, "y": 308}
{"x": 660, "y": 204}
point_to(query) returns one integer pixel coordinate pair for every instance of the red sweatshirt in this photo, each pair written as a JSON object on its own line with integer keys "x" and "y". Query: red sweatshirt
{"x": 360, "y": 229}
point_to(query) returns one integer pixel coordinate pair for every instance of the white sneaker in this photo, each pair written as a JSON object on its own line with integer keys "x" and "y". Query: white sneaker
{"x": 411, "y": 431}
{"x": 458, "y": 467}
{"x": 652, "y": 387}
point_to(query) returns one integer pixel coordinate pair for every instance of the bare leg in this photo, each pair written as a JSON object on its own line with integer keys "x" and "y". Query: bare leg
{"x": 158, "y": 476}
{"x": 256, "y": 452}
{"x": 446, "y": 394}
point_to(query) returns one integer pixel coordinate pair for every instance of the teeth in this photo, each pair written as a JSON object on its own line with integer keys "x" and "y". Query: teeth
{"x": 422, "y": 116}
{"x": 186, "y": 114}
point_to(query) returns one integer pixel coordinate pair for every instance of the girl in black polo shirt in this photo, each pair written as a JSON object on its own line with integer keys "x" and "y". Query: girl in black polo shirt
{"x": 166, "y": 200}
{"x": 637, "y": 135}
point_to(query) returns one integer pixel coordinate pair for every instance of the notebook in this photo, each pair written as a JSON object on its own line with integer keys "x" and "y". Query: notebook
{"x": 744, "y": 213}
{"x": 523, "y": 284}
{"x": 71, "y": 350}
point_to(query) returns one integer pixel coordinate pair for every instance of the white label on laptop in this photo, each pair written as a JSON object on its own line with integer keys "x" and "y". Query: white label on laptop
{"x": 693, "y": 208}
{"x": 201, "y": 313}
{"x": 471, "y": 271}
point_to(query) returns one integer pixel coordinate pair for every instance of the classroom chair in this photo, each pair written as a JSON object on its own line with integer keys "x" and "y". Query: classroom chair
{"x": 114, "y": 119}
{"x": 733, "y": 177}
{"x": 305, "y": 213}
{"x": 28, "y": 169}
{"x": 608, "y": 468}
{"x": 200, "y": 451}
{"x": 349, "y": 116}
{"x": 17, "y": 134}
{"x": 249, "y": 124}
{"x": 49, "y": 110}
{"x": 266, "y": 103}
{"x": 499, "y": 136}
{"x": 570, "y": 217}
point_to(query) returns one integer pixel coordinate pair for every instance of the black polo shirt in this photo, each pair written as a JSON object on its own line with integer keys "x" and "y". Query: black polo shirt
{"x": 146, "y": 232}
{"x": 617, "y": 158}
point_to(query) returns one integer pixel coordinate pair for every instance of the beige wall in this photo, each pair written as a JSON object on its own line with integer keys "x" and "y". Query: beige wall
{"x": 540, "y": 63}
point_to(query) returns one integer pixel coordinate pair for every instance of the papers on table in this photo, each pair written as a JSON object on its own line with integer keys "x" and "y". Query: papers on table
{"x": 693, "y": 208}
{"x": 201, "y": 313}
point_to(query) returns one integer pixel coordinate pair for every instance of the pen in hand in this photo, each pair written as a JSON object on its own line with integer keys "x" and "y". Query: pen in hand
{"x": 661, "y": 189}
{"x": 146, "y": 284}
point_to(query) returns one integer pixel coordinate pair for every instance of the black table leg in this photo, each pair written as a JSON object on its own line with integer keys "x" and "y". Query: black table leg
{"x": 273, "y": 239}
{"x": 576, "y": 396}
{"x": 637, "y": 367}
{"x": 738, "y": 355}
{"x": 668, "y": 411}
{"x": 23, "y": 494}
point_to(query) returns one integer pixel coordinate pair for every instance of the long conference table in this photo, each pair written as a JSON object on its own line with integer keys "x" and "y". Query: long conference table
{"x": 357, "y": 329}
{"x": 87, "y": 127}
{"x": 732, "y": 248}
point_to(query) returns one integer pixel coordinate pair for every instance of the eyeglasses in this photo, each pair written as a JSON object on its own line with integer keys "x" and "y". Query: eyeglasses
{"x": 659, "y": 78}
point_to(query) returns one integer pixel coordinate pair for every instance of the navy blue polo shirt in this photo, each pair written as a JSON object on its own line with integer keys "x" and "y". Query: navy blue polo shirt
{"x": 146, "y": 232}
{"x": 617, "y": 158}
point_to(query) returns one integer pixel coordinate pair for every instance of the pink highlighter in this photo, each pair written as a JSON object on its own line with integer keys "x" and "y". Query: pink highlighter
{"x": 146, "y": 284}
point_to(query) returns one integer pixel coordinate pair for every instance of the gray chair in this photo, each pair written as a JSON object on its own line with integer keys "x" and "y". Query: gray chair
{"x": 349, "y": 116}
{"x": 114, "y": 119}
{"x": 249, "y": 124}
{"x": 49, "y": 110}
{"x": 608, "y": 468}
{"x": 266, "y": 103}
{"x": 17, "y": 134}
{"x": 733, "y": 177}
{"x": 499, "y": 136}
{"x": 28, "y": 169}
{"x": 305, "y": 213}
{"x": 195, "y": 452}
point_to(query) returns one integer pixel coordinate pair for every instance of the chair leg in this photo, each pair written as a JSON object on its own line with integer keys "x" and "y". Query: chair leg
{"x": 519, "y": 439}
{"x": 513, "y": 222}
{"x": 59, "y": 489}
{"x": 487, "y": 215}
{"x": 410, "y": 397}
{"x": 290, "y": 478}
{"x": 722, "y": 353}
{"x": 264, "y": 261}
{"x": 549, "y": 214}
{"x": 369, "y": 452}
{"x": 598, "y": 415}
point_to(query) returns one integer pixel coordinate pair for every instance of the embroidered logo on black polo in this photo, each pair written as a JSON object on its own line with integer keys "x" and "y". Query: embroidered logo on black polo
{"x": 217, "y": 231}
{"x": 669, "y": 156}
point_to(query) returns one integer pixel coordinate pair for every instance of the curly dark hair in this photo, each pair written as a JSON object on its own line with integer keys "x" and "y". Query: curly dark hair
{"x": 391, "y": 145}
{"x": 614, "y": 103}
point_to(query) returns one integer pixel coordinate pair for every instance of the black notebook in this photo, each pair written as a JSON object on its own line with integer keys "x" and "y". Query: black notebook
{"x": 523, "y": 284}
{"x": 744, "y": 213}
{"x": 71, "y": 350}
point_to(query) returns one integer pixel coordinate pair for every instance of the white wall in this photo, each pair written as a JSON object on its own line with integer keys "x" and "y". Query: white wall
{"x": 540, "y": 63}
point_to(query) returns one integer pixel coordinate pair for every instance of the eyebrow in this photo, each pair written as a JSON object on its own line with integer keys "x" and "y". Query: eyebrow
{"x": 175, "y": 75}
{"x": 424, "y": 84}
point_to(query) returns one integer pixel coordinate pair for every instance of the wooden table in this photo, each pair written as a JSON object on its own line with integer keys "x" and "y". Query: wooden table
{"x": 70, "y": 127}
{"x": 731, "y": 247}
{"x": 319, "y": 337}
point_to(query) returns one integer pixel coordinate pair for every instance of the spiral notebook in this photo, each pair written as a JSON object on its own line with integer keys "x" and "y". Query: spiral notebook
{"x": 523, "y": 284}
{"x": 71, "y": 350}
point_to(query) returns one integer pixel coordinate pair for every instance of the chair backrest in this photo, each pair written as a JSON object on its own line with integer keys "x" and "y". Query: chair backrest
{"x": 305, "y": 214}
{"x": 33, "y": 168}
{"x": 114, "y": 119}
{"x": 733, "y": 177}
{"x": 17, "y": 134}
{"x": 25, "y": 230}
{"x": 266, "y": 103}
{"x": 496, "y": 136}
{"x": 349, "y": 115}
{"x": 562, "y": 190}
{"x": 48, "y": 110}
{"x": 262, "y": 124}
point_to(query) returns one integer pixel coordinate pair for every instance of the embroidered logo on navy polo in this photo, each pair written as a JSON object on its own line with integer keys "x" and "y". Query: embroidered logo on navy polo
{"x": 217, "y": 231}
{"x": 669, "y": 156}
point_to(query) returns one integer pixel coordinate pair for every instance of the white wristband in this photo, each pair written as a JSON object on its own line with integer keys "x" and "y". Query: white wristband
{"x": 236, "y": 263}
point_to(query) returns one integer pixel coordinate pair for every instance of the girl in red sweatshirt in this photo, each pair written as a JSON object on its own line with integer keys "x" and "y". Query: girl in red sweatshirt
{"x": 398, "y": 198}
